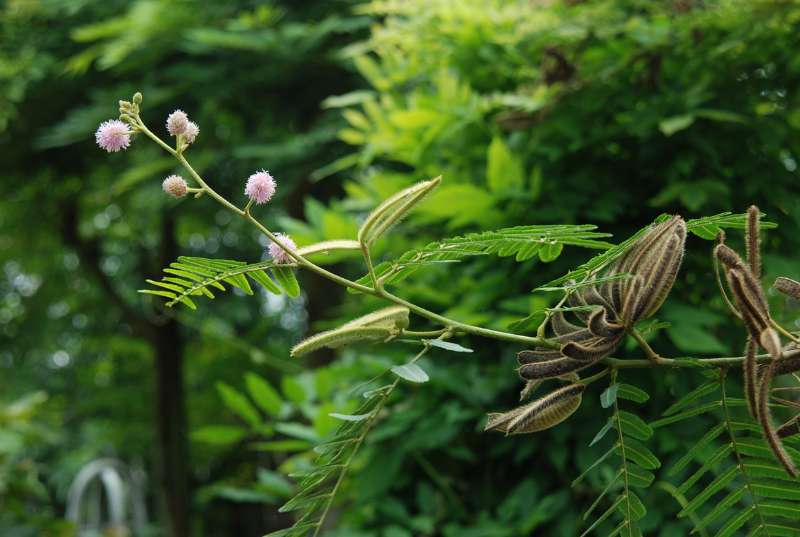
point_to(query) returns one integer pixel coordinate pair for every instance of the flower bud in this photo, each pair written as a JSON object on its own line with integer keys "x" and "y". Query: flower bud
{"x": 137, "y": 98}
{"x": 175, "y": 186}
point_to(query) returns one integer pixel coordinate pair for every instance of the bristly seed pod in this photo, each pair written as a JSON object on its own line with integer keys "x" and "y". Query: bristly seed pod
{"x": 790, "y": 428}
{"x": 753, "y": 241}
{"x": 765, "y": 419}
{"x": 551, "y": 368}
{"x": 749, "y": 298}
{"x": 750, "y": 377}
{"x": 788, "y": 287}
{"x": 340, "y": 337}
{"x": 541, "y": 414}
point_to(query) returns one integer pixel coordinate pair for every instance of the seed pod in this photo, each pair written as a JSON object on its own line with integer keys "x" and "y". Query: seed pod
{"x": 765, "y": 419}
{"x": 643, "y": 259}
{"x": 790, "y": 428}
{"x": 393, "y": 209}
{"x": 561, "y": 326}
{"x": 753, "y": 241}
{"x": 530, "y": 387}
{"x": 537, "y": 355}
{"x": 771, "y": 342}
{"x": 393, "y": 317}
{"x": 551, "y": 368}
{"x": 750, "y": 377}
{"x": 590, "y": 351}
{"x": 788, "y": 287}
{"x": 541, "y": 414}
{"x": 341, "y": 336}
{"x": 599, "y": 325}
{"x": 785, "y": 366}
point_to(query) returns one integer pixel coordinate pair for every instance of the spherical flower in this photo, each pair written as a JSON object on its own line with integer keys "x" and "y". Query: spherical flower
{"x": 113, "y": 135}
{"x": 260, "y": 187}
{"x": 175, "y": 186}
{"x": 277, "y": 253}
{"x": 191, "y": 132}
{"x": 177, "y": 122}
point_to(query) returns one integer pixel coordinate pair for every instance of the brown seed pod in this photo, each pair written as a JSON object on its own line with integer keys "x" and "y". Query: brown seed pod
{"x": 790, "y": 428}
{"x": 788, "y": 287}
{"x": 601, "y": 327}
{"x": 753, "y": 241}
{"x": 765, "y": 419}
{"x": 750, "y": 376}
{"x": 541, "y": 414}
{"x": 592, "y": 350}
{"x": 561, "y": 326}
{"x": 551, "y": 368}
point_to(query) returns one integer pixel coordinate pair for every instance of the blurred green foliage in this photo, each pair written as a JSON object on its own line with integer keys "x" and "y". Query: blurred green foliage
{"x": 603, "y": 112}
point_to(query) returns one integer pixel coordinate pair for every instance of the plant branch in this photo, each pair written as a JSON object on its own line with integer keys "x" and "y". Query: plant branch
{"x": 305, "y": 263}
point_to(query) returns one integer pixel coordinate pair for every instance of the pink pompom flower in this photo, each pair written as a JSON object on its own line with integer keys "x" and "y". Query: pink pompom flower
{"x": 191, "y": 132}
{"x": 177, "y": 122}
{"x": 175, "y": 186}
{"x": 260, "y": 187}
{"x": 277, "y": 253}
{"x": 113, "y": 135}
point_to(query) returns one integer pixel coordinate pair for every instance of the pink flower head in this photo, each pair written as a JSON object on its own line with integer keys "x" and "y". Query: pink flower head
{"x": 191, "y": 132}
{"x": 113, "y": 135}
{"x": 277, "y": 253}
{"x": 175, "y": 186}
{"x": 260, "y": 187}
{"x": 177, "y": 122}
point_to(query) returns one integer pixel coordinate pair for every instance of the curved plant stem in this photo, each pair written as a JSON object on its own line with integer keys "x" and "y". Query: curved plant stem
{"x": 306, "y": 264}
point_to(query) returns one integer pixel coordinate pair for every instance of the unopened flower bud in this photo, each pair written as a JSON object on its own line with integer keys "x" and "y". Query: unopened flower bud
{"x": 137, "y": 98}
{"x": 175, "y": 186}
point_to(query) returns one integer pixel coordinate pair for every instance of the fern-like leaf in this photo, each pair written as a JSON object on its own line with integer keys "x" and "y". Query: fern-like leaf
{"x": 317, "y": 489}
{"x": 635, "y": 465}
{"x": 522, "y": 242}
{"x": 705, "y": 228}
{"x": 196, "y": 276}
{"x": 738, "y": 487}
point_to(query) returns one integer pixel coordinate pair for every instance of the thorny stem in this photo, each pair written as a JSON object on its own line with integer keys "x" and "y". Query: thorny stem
{"x": 301, "y": 261}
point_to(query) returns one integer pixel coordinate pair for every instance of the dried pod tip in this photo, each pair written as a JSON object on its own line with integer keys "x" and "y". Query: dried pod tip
{"x": 771, "y": 342}
{"x": 788, "y": 287}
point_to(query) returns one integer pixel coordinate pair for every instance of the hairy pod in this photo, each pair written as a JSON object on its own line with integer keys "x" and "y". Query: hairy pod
{"x": 750, "y": 376}
{"x": 591, "y": 351}
{"x": 655, "y": 258}
{"x": 551, "y": 368}
{"x": 561, "y": 326}
{"x": 395, "y": 317}
{"x": 785, "y": 366}
{"x": 539, "y": 415}
{"x": 788, "y": 287}
{"x": 601, "y": 327}
{"x": 765, "y": 419}
{"x": 393, "y": 209}
{"x": 753, "y": 241}
{"x": 790, "y": 428}
{"x": 341, "y": 336}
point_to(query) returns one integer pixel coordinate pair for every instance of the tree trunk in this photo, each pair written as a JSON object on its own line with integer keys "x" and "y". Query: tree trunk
{"x": 173, "y": 445}
{"x": 172, "y": 428}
